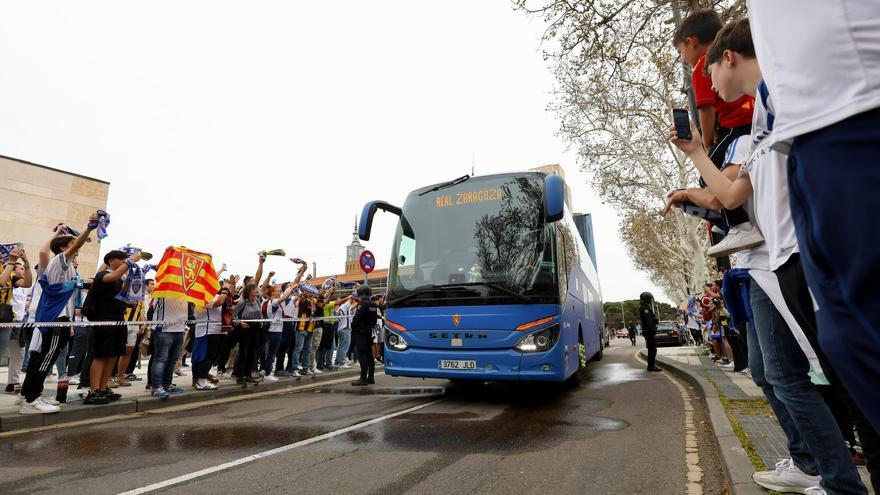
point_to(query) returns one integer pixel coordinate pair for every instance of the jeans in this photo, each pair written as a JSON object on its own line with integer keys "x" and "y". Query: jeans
{"x": 61, "y": 362}
{"x": 168, "y": 348}
{"x": 271, "y": 352}
{"x": 797, "y": 449}
{"x": 5, "y": 333}
{"x": 78, "y": 351}
{"x": 316, "y": 341}
{"x": 786, "y": 370}
{"x": 302, "y": 349}
{"x": 344, "y": 335}
{"x": 285, "y": 349}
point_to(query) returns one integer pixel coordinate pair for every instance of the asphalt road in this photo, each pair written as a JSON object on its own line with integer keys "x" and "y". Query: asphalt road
{"x": 621, "y": 431}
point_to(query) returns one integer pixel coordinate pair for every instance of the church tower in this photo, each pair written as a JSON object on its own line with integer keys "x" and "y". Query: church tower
{"x": 353, "y": 252}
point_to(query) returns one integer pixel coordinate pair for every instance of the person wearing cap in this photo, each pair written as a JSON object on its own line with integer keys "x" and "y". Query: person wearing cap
{"x": 56, "y": 303}
{"x": 362, "y": 335}
{"x": 649, "y": 327}
{"x": 107, "y": 343}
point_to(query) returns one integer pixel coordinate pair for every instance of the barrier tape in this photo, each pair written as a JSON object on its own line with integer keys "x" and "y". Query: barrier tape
{"x": 54, "y": 324}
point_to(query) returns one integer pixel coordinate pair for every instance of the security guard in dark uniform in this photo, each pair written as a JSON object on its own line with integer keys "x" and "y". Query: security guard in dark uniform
{"x": 362, "y": 335}
{"x": 649, "y": 327}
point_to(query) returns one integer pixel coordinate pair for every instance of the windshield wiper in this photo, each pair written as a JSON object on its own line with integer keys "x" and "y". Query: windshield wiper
{"x": 491, "y": 285}
{"x": 451, "y": 183}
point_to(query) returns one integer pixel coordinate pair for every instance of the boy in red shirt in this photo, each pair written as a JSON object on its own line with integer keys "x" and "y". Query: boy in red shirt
{"x": 721, "y": 123}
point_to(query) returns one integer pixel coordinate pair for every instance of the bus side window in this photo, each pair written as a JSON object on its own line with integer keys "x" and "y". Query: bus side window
{"x": 406, "y": 260}
{"x": 406, "y": 251}
{"x": 563, "y": 253}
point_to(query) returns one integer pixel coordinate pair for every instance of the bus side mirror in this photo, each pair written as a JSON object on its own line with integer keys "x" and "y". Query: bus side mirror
{"x": 554, "y": 198}
{"x": 366, "y": 223}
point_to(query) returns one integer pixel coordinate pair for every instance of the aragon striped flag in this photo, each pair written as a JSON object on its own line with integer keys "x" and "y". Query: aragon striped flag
{"x": 186, "y": 275}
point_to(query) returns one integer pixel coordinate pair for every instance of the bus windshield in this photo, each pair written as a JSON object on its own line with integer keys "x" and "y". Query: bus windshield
{"x": 478, "y": 241}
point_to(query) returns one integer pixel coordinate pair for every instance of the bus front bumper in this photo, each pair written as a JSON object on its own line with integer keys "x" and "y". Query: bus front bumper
{"x": 491, "y": 364}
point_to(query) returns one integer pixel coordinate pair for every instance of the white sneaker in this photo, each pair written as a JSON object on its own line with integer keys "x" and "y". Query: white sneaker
{"x": 739, "y": 238}
{"x": 74, "y": 380}
{"x": 38, "y": 407}
{"x": 787, "y": 478}
{"x": 346, "y": 366}
{"x": 316, "y": 371}
{"x": 52, "y": 379}
{"x": 48, "y": 400}
{"x": 717, "y": 230}
{"x": 296, "y": 373}
{"x": 728, "y": 366}
{"x": 815, "y": 490}
{"x": 270, "y": 378}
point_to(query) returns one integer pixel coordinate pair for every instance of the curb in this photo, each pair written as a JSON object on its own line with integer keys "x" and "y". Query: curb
{"x": 11, "y": 423}
{"x": 737, "y": 467}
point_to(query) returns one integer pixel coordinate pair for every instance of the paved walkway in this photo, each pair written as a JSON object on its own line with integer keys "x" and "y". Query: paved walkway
{"x": 745, "y": 400}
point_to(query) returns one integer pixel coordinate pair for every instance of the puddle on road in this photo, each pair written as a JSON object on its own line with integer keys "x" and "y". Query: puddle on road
{"x": 502, "y": 418}
{"x": 614, "y": 374}
{"x": 188, "y": 438}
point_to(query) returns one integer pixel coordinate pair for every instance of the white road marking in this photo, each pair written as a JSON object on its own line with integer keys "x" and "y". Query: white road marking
{"x": 262, "y": 455}
{"x": 694, "y": 485}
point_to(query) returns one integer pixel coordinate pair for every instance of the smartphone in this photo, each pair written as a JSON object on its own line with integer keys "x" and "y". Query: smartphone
{"x": 682, "y": 123}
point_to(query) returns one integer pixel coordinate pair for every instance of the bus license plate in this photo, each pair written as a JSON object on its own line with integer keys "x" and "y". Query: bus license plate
{"x": 449, "y": 364}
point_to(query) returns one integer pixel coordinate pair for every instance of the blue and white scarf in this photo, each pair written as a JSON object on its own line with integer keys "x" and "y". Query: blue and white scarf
{"x": 133, "y": 287}
{"x": 100, "y": 225}
{"x": 6, "y": 248}
{"x": 53, "y": 300}
{"x": 308, "y": 289}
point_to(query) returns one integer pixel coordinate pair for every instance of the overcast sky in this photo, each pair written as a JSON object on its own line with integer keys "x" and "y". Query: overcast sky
{"x": 232, "y": 127}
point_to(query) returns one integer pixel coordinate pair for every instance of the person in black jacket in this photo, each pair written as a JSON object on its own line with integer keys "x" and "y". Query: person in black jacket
{"x": 362, "y": 335}
{"x": 649, "y": 327}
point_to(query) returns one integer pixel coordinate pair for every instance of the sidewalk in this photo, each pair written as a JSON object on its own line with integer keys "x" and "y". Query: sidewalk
{"x": 136, "y": 399}
{"x": 747, "y": 409}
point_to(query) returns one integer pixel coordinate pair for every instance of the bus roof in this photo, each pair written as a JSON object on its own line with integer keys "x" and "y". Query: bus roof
{"x": 524, "y": 173}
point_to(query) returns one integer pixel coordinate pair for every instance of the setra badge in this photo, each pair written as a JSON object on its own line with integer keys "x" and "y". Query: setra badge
{"x": 456, "y": 319}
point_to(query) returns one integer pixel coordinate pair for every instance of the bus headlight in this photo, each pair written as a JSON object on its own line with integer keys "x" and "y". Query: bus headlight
{"x": 539, "y": 341}
{"x": 396, "y": 342}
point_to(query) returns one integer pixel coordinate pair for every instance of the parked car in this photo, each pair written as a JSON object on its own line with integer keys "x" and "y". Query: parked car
{"x": 622, "y": 333}
{"x": 669, "y": 333}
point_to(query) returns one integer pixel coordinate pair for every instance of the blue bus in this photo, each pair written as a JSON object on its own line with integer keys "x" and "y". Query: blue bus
{"x": 489, "y": 280}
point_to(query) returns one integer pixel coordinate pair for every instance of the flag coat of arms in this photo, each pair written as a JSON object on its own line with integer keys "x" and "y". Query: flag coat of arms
{"x": 186, "y": 275}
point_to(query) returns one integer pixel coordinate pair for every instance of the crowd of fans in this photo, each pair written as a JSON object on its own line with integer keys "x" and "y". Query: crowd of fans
{"x": 789, "y": 106}
{"x": 253, "y": 330}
